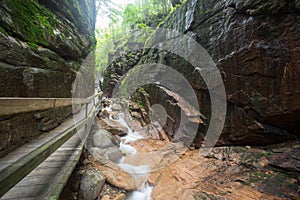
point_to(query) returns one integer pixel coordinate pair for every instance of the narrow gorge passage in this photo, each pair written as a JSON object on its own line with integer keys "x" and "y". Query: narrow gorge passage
{"x": 150, "y": 99}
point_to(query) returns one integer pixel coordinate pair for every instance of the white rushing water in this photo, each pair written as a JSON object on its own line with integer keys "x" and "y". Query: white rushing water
{"x": 140, "y": 172}
{"x": 127, "y": 148}
{"x": 131, "y": 135}
{"x": 142, "y": 194}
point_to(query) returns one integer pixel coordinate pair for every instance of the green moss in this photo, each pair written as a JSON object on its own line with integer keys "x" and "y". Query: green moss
{"x": 140, "y": 104}
{"x": 143, "y": 91}
{"x": 32, "y": 45}
{"x": 262, "y": 154}
{"x": 256, "y": 101}
{"x": 124, "y": 88}
{"x": 34, "y": 23}
{"x": 257, "y": 176}
{"x": 2, "y": 30}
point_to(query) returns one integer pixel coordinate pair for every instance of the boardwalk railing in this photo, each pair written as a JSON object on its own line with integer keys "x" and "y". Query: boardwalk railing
{"x": 15, "y": 105}
{"x": 16, "y": 171}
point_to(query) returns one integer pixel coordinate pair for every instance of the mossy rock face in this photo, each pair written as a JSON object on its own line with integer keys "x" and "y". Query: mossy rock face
{"x": 38, "y": 25}
{"x": 43, "y": 45}
{"x": 30, "y": 21}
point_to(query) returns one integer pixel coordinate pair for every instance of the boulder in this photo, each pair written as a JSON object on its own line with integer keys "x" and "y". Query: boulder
{"x": 91, "y": 185}
{"x": 104, "y": 139}
{"x": 113, "y": 126}
{"x": 114, "y": 175}
{"x": 113, "y": 154}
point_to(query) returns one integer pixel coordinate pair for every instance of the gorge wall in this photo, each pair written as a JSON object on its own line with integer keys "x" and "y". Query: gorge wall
{"x": 255, "y": 45}
{"x": 43, "y": 44}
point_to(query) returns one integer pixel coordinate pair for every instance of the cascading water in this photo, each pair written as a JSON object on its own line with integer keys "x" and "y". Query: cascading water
{"x": 140, "y": 172}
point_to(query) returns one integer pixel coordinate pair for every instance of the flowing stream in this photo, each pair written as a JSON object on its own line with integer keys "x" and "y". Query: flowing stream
{"x": 139, "y": 173}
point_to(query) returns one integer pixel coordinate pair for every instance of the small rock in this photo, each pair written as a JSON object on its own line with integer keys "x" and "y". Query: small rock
{"x": 121, "y": 196}
{"x": 85, "y": 162}
{"x": 91, "y": 185}
{"x": 105, "y": 197}
{"x": 113, "y": 126}
{"x": 136, "y": 115}
{"x": 116, "y": 107}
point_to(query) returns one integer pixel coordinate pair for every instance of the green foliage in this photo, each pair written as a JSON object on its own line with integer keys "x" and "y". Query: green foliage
{"x": 125, "y": 25}
{"x": 32, "y": 45}
{"x": 140, "y": 104}
{"x": 104, "y": 46}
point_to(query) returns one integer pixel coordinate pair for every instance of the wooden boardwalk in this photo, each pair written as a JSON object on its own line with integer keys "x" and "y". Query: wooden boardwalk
{"x": 41, "y": 168}
{"x": 57, "y": 152}
{"x": 49, "y": 178}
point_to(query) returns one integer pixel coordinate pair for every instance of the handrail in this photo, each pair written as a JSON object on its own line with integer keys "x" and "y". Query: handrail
{"x": 15, "y": 105}
{"x": 16, "y": 171}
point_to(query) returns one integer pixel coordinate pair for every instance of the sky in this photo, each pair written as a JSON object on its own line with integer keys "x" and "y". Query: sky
{"x": 103, "y": 21}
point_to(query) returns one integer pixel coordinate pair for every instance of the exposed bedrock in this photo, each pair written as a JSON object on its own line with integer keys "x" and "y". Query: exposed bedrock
{"x": 255, "y": 45}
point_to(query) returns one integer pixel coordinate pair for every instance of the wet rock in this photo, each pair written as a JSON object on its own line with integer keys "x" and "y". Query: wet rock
{"x": 155, "y": 131}
{"x": 243, "y": 173}
{"x": 114, "y": 175}
{"x": 111, "y": 192}
{"x": 104, "y": 139}
{"x": 114, "y": 197}
{"x": 113, "y": 126}
{"x": 182, "y": 120}
{"x": 287, "y": 161}
{"x": 113, "y": 154}
{"x": 91, "y": 185}
{"x": 116, "y": 107}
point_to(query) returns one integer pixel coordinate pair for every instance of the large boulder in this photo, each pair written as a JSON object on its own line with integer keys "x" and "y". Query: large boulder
{"x": 102, "y": 143}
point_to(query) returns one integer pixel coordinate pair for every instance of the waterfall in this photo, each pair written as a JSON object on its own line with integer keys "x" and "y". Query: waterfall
{"x": 139, "y": 173}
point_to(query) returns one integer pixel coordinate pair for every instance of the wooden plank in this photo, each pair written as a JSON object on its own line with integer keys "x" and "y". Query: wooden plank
{"x": 14, "y": 105}
{"x": 64, "y": 177}
{"x": 29, "y": 192}
{"x": 12, "y": 174}
{"x": 58, "y": 174}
